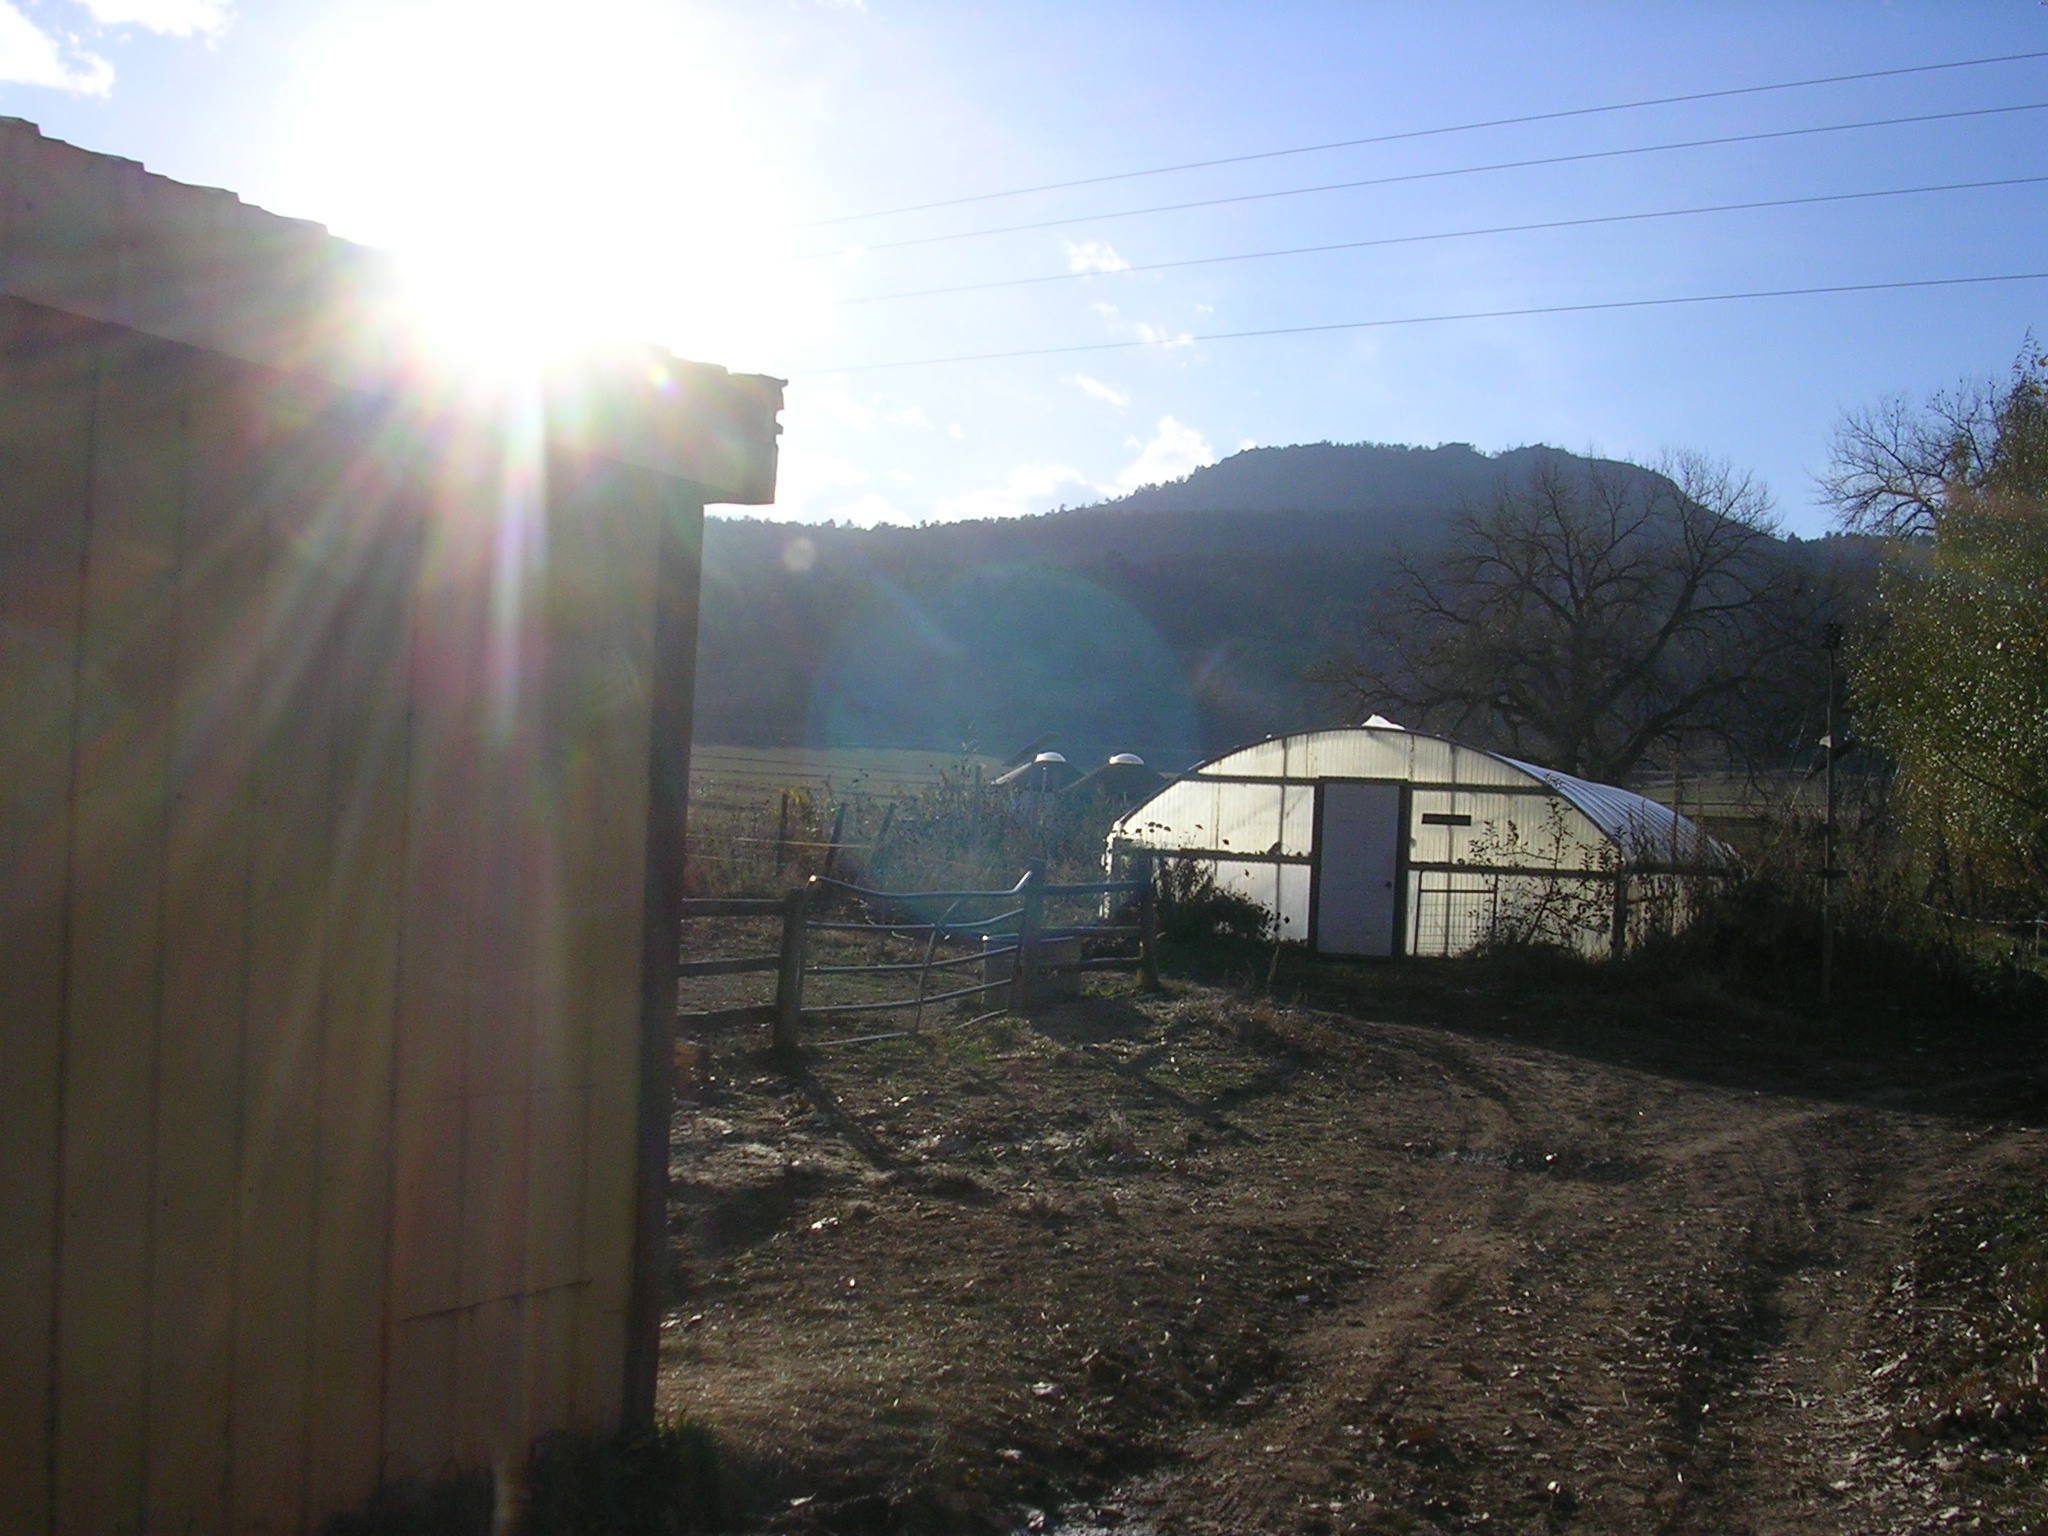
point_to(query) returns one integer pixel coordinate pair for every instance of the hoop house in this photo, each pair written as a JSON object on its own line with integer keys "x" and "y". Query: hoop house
{"x": 1375, "y": 840}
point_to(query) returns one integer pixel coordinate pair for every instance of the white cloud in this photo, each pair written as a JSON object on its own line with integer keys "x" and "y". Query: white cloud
{"x": 953, "y": 430}
{"x": 1150, "y": 335}
{"x": 869, "y": 511}
{"x": 863, "y": 417}
{"x": 1173, "y": 452}
{"x": 1028, "y": 488}
{"x": 180, "y": 18}
{"x": 804, "y": 477}
{"x": 1246, "y": 442}
{"x": 30, "y": 56}
{"x": 847, "y": 409}
{"x": 1153, "y": 336}
{"x": 1094, "y": 256}
{"x": 1099, "y": 390}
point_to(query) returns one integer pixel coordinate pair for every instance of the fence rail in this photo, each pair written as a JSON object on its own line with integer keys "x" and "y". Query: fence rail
{"x": 737, "y": 967}
{"x": 924, "y": 967}
{"x": 946, "y": 929}
{"x": 1037, "y": 954}
{"x": 723, "y": 906}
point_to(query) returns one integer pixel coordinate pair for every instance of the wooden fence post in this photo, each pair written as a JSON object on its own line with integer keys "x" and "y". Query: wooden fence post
{"x": 832, "y": 847}
{"x": 672, "y": 691}
{"x": 1024, "y": 991}
{"x": 878, "y": 860}
{"x": 1620, "y": 934}
{"x": 1148, "y": 927}
{"x": 789, "y": 973}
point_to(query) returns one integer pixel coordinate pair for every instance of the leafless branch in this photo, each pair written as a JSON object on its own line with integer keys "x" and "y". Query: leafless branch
{"x": 1589, "y": 617}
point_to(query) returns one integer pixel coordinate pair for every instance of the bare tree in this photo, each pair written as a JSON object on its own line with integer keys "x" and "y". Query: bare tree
{"x": 1891, "y": 465}
{"x": 1895, "y": 467}
{"x": 1588, "y": 619}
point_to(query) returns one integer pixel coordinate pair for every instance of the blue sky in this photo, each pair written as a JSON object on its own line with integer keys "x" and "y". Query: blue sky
{"x": 639, "y": 168}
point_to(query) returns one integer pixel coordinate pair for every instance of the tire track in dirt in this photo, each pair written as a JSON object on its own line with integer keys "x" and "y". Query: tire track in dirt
{"x": 1435, "y": 1341}
{"x": 1413, "y": 1279}
{"x": 1752, "y": 1271}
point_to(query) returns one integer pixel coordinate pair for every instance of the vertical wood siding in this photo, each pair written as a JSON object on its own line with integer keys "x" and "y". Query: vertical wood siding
{"x": 321, "y": 868}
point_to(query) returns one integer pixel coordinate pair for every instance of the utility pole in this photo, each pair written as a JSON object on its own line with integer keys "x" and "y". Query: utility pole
{"x": 1831, "y": 637}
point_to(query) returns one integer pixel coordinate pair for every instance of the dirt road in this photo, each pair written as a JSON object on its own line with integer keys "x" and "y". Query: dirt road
{"x": 1425, "y": 1256}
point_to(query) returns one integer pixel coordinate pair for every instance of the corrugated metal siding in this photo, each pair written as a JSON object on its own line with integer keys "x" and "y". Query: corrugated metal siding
{"x": 319, "y": 1170}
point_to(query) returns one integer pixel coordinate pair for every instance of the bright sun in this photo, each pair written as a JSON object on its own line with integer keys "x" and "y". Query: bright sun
{"x": 553, "y": 172}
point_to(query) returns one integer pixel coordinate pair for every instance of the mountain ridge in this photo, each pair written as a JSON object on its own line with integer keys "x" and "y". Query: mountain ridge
{"x": 1327, "y": 476}
{"x": 1174, "y": 621}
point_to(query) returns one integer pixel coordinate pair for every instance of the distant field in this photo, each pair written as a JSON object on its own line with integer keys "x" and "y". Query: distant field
{"x": 737, "y": 772}
{"x": 762, "y": 818}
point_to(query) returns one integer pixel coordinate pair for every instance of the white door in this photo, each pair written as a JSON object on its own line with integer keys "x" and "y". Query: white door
{"x": 1358, "y": 859}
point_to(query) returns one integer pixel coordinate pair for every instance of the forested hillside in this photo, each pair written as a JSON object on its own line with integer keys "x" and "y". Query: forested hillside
{"x": 1174, "y": 622}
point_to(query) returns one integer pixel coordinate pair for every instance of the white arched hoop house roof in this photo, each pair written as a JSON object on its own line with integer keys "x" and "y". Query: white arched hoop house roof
{"x": 1471, "y": 820}
{"x": 1643, "y": 831}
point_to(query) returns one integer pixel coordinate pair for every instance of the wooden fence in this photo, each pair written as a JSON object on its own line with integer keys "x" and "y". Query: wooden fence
{"x": 1022, "y": 957}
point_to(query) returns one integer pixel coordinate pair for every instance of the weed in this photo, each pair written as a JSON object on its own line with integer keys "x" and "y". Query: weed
{"x": 661, "y": 1481}
{"x": 1112, "y": 1138}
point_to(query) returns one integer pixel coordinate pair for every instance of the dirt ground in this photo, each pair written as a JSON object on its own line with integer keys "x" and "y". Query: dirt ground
{"x": 1411, "y": 1248}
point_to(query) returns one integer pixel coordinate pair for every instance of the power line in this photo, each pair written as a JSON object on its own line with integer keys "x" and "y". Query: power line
{"x": 1452, "y": 234}
{"x": 1476, "y": 314}
{"x": 1419, "y": 133}
{"x": 1465, "y": 170}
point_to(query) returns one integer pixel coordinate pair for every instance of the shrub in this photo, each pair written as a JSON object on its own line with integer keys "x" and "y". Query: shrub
{"x": 1194, "y": 910}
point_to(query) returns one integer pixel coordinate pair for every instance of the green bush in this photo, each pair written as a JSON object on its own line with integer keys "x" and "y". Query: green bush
{"x": 1762, "y": 934}
{"x": 1195, "y": 911}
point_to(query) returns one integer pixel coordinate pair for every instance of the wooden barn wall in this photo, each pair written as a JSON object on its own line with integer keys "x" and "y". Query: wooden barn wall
{"x": 322, "y": 851}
